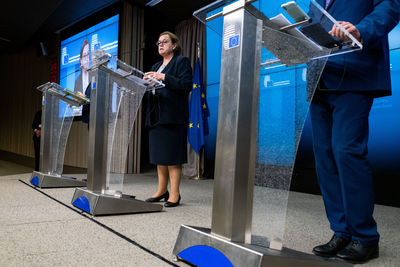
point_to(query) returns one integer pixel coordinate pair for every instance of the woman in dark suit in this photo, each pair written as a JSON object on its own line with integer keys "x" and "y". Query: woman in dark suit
{"x": 167, "y": 117}
{"x": 82, "y": 83}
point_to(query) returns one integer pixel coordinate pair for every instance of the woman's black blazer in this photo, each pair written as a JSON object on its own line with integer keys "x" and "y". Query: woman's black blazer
{"x": 169, "y": 105}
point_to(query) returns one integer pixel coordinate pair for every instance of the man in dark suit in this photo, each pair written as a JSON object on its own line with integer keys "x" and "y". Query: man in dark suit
{"x": 339, "y": 115}
{"x": 37, "y": 130}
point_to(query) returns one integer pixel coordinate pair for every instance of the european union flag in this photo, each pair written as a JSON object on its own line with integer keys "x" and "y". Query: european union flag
{"x": 198, "y": 111}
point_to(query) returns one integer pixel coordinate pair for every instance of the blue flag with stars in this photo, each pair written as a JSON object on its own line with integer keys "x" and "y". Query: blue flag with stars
{"x": 198, "y": 111}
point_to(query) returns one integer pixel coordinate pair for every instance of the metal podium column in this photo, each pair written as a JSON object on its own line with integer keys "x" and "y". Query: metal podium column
{"x": 98, "y": 132}
{"x": 237, "y": 133}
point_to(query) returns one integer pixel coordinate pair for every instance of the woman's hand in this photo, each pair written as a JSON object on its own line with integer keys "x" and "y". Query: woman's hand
{"x": 81, "y": 94}
{"x": 155, "y": 75}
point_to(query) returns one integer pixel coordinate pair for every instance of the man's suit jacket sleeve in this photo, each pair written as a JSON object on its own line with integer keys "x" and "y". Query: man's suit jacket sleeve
{"x": 380, "y": 21}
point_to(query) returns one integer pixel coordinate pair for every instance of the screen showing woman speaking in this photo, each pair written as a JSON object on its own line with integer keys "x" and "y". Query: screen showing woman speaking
{"x": 76, "y": 57}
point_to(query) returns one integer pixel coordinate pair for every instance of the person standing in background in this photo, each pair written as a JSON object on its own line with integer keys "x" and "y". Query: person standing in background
{"x": 37, "y": 131}
{"x": 339, "y": 115}
{"x": 167, "y": 117}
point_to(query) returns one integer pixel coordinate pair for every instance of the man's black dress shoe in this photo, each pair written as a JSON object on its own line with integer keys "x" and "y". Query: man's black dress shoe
{"x": 169, "y": 204}
{"x": 330, "y": 249}
{"x": 164, "y": 196}
{"x": 357, "y": 252}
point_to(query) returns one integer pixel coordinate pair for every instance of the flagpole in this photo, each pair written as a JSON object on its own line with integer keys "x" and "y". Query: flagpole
{"x": 198, "y": 49}
{"x": 198, "y": 175}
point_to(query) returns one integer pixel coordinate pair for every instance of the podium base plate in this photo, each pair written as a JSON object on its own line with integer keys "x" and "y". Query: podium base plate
{"x": 101, "y": 204}
{"x": 198, "y": 246}
{"x": 43, "y": 180}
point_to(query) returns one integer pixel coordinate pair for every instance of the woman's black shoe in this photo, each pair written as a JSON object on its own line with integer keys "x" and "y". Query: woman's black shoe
{"x": 172, "y": 204}
{"x": 164, "y": 196}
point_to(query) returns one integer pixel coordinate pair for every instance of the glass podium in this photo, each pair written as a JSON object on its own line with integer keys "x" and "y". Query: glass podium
{"x": 57, "y": 116}
{"x": 117, "y": 90}
{"x": 270, "y": 67}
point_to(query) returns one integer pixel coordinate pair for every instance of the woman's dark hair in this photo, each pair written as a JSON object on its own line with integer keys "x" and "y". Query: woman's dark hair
{"x": 174, "y": 40}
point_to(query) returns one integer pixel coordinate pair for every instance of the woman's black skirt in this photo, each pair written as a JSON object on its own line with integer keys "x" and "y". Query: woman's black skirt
{"x": 168, "y": 144}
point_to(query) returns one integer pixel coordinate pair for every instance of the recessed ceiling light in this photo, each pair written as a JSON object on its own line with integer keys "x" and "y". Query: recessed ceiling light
{"x": 153, "y": 2}
{"x": 9, "y": 41}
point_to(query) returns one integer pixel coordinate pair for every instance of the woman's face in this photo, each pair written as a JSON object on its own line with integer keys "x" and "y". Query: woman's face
{"x": 85, "y": 60}
{"x": 165, "y": 45}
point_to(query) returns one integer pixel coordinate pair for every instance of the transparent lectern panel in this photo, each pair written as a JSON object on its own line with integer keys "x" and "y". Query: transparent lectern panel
{"x": 123, "y": 110}
{"x": 268, "y": 8}
{"x": 125, "y": 89}
{"x": 211, "y": 15}
{"x": 123, "y": 73}
{"x": 212, "y": 11}
{"x": 290, "y": 26}
{"x": 57, "y": 117}
{"x": 311, "y": 35}
{"x": 60, "y": 135}
{"x": 283, "y": 106}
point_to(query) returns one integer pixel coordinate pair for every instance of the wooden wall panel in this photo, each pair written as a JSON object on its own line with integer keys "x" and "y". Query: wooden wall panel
{"x": 20, "y": 74}
{"x": 131, "y": 51}
{"x": 77, "y": 145}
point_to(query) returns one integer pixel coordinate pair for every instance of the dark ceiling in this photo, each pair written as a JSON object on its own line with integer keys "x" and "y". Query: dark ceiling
{"x": 24, "y": 21}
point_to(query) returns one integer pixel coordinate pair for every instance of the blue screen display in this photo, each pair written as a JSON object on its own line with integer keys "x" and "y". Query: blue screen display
{"x": 394, "y": 38}
{"x": 76, "y": 53}
{"x": 384, "y": 143}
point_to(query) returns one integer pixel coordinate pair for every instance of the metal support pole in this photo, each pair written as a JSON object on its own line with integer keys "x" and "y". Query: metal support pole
{"x": 237, "y": 127}
{"x": 98, "y": 132}
{"x": 198, "y": 175}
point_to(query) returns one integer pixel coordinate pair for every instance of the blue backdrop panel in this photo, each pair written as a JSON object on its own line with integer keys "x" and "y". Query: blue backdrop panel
{"x": 394, "y": 38}
{"x": 277, "y": 100}
{"x": 384, "y": 142}
{"x": 211, "y": 138}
